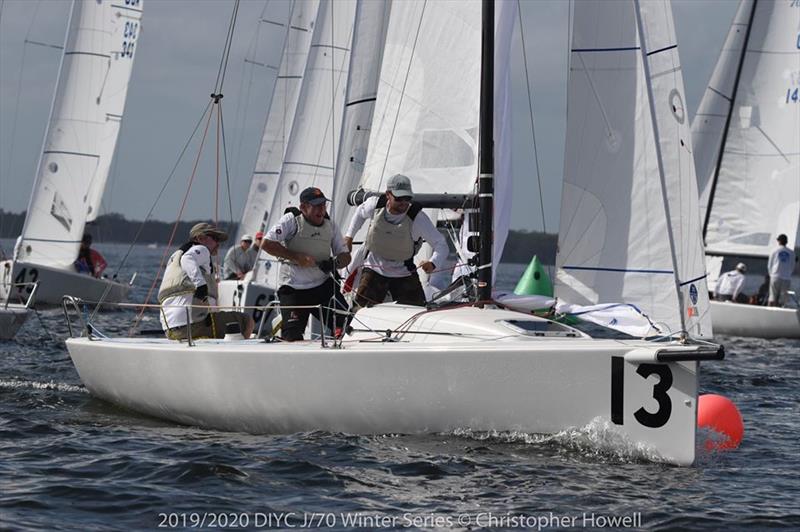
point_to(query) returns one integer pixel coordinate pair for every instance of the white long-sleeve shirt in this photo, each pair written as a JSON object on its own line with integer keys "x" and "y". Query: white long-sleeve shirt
{"x": 421, "y": 228}
{"x": 730, "y": 284}
{"x": 781, "y": 263}
{"x": 194, "y": 262}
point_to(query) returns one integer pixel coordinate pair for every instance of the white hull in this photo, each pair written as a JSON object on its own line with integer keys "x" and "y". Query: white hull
{"x": 55, "y": 283}
{"x": 484, "y": 377}
{"x": 11, "y": 319}
{"x": 755, "y": 320}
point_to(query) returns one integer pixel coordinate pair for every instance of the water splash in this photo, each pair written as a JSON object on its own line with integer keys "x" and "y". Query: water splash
{"x": 598, "y": 439}
{"x": 54, "y": 386}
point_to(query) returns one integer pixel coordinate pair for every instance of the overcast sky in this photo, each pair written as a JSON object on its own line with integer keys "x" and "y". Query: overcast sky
{"x": 177, "y": 59}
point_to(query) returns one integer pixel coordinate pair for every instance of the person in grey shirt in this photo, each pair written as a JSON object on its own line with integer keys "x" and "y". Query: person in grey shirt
{"x": 238, "y": 260}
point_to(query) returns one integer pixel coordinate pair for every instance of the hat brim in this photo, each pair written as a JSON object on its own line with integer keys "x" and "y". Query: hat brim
{"x": 402, "y": 193}
{"x": 317, "y": 201}
{"x": 220, "y": 236}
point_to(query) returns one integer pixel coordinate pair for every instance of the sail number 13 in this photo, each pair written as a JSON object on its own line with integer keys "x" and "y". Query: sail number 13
{"x": 654, "y": 420}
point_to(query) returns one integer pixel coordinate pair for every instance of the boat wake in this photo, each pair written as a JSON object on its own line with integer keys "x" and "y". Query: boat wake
{"x": 599, "y": 440}
{"x": 55, "y": 386}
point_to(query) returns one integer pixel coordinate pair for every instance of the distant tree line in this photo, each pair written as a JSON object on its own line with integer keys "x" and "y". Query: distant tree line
{"x": 520, "y": 246}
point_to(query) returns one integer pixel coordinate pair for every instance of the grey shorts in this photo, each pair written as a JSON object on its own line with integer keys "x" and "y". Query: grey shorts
{"x": 211, "y": 327}
{"x": 778, "y": 289}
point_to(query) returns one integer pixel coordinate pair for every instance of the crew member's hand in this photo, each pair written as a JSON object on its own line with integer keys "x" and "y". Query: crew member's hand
{"x": 342, "y": 260}
{"x": 306, "y": 261}
{"x": 427, "y": 266}
{"x": 348, "y": 241}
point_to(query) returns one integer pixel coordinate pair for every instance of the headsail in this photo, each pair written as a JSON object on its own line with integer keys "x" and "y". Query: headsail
{"x": 629, "y": 229}
{"x": 313, "y": 143}
{"x": 83, "y": 129}
{"x": 751, "y": 111}
{"x": 297, "y": 40}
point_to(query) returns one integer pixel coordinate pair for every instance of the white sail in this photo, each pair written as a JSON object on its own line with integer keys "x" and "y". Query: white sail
{"x": 369, "y": 37}
{"x": 629, "y": 229}
{"x": 83, "y": 129}
{"x": 297, "y": 40}
{"x": 756, "y": 190}
{"x": 313, "y": 143}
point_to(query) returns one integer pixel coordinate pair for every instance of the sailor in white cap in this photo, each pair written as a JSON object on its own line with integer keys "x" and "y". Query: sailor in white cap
{"x": 396, "y": 231}
{"x": 730, "y": 284}
{"x": 237, "y": 260}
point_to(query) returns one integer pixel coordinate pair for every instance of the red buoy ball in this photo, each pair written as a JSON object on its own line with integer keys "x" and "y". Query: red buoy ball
{"x": 719, "y": 414}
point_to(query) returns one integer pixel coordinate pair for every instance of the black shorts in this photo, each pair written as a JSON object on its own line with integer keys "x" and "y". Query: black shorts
{"x": 296, "y": 320}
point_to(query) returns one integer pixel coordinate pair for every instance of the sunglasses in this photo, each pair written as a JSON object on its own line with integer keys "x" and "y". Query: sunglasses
{"x": 404, "y": 199}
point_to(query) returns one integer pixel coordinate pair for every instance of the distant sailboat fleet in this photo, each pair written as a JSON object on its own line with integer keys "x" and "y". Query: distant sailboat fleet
{"x": 370, "y": 89}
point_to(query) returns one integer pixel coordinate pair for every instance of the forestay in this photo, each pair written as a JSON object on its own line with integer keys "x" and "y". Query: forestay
{"x": 282, "y": 107}
{"x": 83, "y": 129}
{"x": 313, "y": 142}
{"x": 755, "y": 193}
{"x": 629, "y": 229}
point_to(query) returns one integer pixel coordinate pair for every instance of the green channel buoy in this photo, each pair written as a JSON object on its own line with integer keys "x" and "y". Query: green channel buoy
{"x": 535, "y": 281}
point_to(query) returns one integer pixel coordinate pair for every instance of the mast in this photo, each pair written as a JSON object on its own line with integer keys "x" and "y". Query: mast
{"x": 728, "y": 122}
{"x": 485, "y": 151}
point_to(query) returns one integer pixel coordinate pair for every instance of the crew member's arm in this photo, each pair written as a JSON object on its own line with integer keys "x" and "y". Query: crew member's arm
{"x": 99, "y": 262}
{"x": 340, "y": 248}
{"x": 192, "y": 262}
{"x": 364, "y": 212}
{"x": 423, "y": 227}
{"x": 285, "y": 229}
{"x": 738, "y": 285}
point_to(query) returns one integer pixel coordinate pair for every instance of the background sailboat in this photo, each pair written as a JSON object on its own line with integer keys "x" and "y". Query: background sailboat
{"x": 630, "y": 231}
{"x": 77, "y": 153}
{"x": 746, "y": 137}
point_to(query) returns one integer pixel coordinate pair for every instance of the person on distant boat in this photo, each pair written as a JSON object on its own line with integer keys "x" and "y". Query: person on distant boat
{"x": 89, "y": 260}
{"x": 397, "y": 229}
{"x": 762, "y": 296}
{"x": 305, "y": 239}
{"x": 780, "y": 266}
{"x": 237, "y": 260}
{"x": 730, "y": 284}
{"x": 252, "y": 253}
{"x": 189, "y": 281}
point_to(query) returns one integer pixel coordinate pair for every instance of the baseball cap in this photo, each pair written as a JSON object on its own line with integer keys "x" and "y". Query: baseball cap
{"x": 259, "y": 234}
{"x": 742, "y": 267}
{"x": 400, "y": 186}
{"x": 249, "y": 238}
{"x": 204, "y": 228}
{"x": 313, "y": 196}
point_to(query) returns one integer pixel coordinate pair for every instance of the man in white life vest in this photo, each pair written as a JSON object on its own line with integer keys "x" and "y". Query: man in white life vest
{"x": 730, "y": 284}
{"x": 397, "y": 229}
{"x": 189, "y": 280}
{"x": 305, "y": 240}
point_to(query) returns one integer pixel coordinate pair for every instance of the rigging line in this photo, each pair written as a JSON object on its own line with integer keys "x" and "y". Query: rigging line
{"x": 225, "y": 160}
{"x": 530, "y": 107}
{"x": 163, "y": 188}
{"x": 174, "y": 227}
{"x": 216, "y": 164}
{"x": 403, "y": 91}
{"x": 223, "y": 66}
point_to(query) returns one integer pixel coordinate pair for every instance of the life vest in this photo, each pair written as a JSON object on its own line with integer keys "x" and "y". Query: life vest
{"x": 313, "y": 240}
{"x": 392, "y": 241}
{"x": 176, "y": 282}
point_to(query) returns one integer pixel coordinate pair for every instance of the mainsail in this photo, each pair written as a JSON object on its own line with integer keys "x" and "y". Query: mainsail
{"x": 629, "y": 229}
{"x": 83, "y": 129}
{"x": 746, "y": 133}
{"x": 297, "y": 40}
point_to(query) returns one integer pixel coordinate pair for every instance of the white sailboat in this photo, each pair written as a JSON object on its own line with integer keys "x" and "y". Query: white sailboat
{"x": 629, "y": 235}
{"x": 298, "y": 29}
{"x": 409, "y": 369}
{"x": 76, "y": 156}
{"x": 746, "y": 137}
{"x": 14, "y": 315}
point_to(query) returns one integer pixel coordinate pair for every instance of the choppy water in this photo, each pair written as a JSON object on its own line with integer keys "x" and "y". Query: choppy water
{"x": 71, "y": 462}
